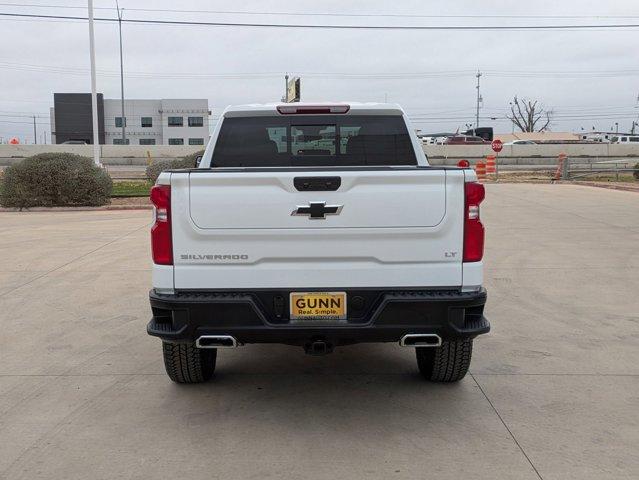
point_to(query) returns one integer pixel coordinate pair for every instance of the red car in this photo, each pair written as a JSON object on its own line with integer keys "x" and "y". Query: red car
{"x": 466, "y": 140}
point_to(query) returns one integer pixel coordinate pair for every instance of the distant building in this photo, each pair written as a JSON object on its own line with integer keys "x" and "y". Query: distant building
{"x": 146, "y": 122}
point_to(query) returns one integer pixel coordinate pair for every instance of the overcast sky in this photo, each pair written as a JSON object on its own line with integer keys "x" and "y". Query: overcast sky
{"x": 430, "y": 73}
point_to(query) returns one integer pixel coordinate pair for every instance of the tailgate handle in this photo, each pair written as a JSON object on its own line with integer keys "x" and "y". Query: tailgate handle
{"x": 317, "y": 184}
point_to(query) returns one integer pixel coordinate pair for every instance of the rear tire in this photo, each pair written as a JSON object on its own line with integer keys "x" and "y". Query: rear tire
{"x": 185, "y": 363}
{"x": 447, "y": 363}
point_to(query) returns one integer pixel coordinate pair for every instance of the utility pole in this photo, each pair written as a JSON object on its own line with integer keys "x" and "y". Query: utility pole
{"x": 121, "y": 73}
{"x": 94, "y": 95}
{"x": 478, "y": 102}
{"x": 634, "y": 122}
{"x": 35, "y": 131}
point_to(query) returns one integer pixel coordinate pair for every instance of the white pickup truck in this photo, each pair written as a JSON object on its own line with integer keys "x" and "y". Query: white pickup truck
{"x": 319, "y": 226}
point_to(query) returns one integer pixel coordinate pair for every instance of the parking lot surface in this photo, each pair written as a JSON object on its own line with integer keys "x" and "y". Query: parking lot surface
{"x": 554, "y": 390}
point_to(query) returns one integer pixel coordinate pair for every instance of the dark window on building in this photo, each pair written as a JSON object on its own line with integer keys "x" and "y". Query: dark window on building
{"x": 327, "y": 140}
{"x": 118, "y": 122}
{"x": 196, "y": 141}
{"x": 196, "y": 121}
{"x": 176, "y": 121}
{"x": 147, "y": 121}
{"x": 118, "y": 141}
{"x": 176, "y": 141}
{"x": 147, "y": 141}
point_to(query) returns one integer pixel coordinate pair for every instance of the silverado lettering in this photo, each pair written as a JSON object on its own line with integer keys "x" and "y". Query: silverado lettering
{"x": 213, "y": 257}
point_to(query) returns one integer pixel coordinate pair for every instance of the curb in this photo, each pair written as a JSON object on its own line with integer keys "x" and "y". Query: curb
{"x": 623, "y": 188}
{"x": 79, "y": 209}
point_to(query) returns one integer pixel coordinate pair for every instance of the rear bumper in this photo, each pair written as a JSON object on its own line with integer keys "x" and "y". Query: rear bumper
{"x": 375, "y": 315}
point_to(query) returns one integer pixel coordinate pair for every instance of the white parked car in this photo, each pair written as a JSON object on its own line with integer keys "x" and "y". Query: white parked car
{"x": 625, "y": 139}
{"x": 437, "y": 140}
{"x": 318, "y": 226}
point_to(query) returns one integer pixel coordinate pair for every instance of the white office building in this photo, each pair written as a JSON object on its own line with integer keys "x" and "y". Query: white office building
{"x": 157, "y": 122}
{"x": 147, "y": 122}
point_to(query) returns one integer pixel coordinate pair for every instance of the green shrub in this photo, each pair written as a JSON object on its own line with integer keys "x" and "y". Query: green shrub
{"x": 636, "y": 171}
{"x": 55, "y": 179}
{"x": 192, "y": 158}
{"x": 189, "y": 161}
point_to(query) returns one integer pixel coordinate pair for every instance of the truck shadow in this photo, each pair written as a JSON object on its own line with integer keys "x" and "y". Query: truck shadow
{"x": 372, "y": 359}
{"x": 373, "y": 388}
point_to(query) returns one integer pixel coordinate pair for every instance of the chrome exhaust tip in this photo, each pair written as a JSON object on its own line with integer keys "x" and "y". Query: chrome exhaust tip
{"x": 216, "y": 341}
{"x": 420, "y": 340}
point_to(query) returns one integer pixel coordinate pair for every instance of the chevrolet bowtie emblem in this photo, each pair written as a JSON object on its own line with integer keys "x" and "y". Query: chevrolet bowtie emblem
{"x": 317, "y": 210}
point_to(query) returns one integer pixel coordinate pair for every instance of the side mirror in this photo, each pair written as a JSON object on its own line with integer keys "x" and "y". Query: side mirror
{"x": 198, "y": 160}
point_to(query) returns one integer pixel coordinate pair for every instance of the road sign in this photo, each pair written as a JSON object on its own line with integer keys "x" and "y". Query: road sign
{"x": 497, "y": 145}
{"x": 293, "y": 90}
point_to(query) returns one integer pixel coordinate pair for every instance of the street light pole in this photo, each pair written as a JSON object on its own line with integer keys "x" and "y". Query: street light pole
{"x": 94, "y": 95}
{"x": 285, "y": 98}
{"x": 121, "y": 72}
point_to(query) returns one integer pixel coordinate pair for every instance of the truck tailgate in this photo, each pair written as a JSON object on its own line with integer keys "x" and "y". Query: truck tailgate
{"x": 373, "y": 199}
{"x": 391, "y": 227}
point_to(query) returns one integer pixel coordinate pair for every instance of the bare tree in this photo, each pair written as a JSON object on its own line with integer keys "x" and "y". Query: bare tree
{"x": 528, "y": 115}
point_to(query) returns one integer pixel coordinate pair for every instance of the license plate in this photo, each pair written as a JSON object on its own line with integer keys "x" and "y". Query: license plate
{"x": 318, "y": 305}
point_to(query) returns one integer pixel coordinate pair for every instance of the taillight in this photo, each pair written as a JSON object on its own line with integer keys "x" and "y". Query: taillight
{"x": 161, "y": 244}
{"x": 473, "y": 229}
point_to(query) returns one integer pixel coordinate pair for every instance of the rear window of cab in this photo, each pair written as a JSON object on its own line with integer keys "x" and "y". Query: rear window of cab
{"x": 313, "y": 140}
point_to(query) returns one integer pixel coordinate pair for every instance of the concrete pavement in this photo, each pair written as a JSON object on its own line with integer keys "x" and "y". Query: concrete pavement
{"x": 553, "y": 393}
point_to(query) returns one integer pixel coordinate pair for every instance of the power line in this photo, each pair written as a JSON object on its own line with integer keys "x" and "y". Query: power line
{"x": 21, "y": 122}
{"x": 432, "y": 116}
{"x": 554, "y": 115}
{"x": 23, "y": 116}
{"x": 566, "y": 74}
{"x": 569, "y": 111}
{"x": 345, "y": 75}
{"x": 330, "y": 27}
{"x": 323, "y": 14}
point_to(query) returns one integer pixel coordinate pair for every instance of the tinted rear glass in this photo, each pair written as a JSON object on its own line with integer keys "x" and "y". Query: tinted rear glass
{"x": 313, "y": 140}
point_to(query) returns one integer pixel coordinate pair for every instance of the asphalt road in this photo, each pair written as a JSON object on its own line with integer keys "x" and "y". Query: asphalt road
{"x": 554, "y": 390}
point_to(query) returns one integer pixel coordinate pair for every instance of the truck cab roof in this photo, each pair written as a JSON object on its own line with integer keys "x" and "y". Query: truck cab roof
{"x": 351, "y": 108}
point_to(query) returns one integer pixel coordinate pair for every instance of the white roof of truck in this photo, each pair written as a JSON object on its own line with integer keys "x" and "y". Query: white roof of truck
{"x": 356, "y": 108}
